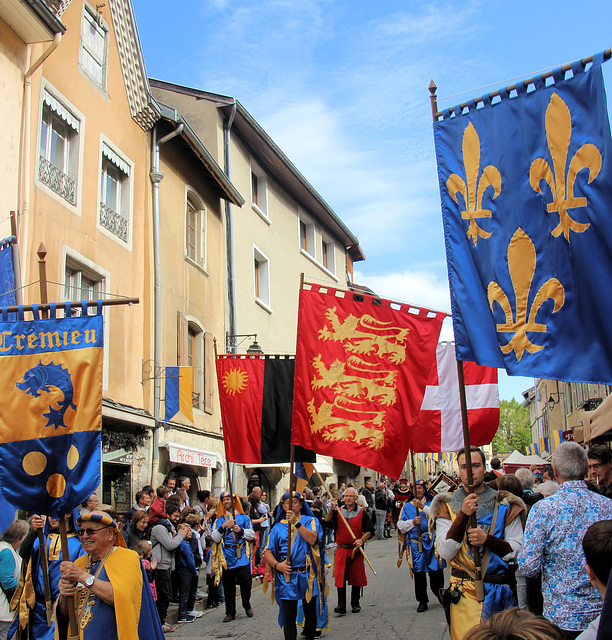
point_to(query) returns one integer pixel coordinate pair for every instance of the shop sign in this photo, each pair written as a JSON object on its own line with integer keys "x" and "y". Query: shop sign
{"x": 186, "y": 455}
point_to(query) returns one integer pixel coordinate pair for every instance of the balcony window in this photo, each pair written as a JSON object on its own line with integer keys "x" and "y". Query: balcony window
{"x": 115, "y": 194}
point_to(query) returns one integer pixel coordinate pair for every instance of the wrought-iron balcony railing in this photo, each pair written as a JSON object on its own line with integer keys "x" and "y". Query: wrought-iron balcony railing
{"x": 57, "y": 180}
{"x": 114, "y": 222}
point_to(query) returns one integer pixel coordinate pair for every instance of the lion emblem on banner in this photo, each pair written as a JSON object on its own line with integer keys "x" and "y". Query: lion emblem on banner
{"x": 363, "y": 383}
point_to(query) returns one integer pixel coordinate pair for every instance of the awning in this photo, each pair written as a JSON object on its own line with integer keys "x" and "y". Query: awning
{"x": 189, "y": 455}
{"x": 61, "y": 111}
{"x": 121, "y": 164}
{"x": 600, "y": 420}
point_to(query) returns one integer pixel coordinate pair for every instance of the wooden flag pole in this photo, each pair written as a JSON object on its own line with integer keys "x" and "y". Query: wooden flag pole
{"x": 74, "y": 632}
{"x": 478, "y": 581}
{"x": 420, "y": 533}
{"x": 289, "y": 527}
{"x": 70, "y": 602}
{"x": 341, "y": 516}
{"x": 229, "y": 480}
{"x": 42, "y": 547}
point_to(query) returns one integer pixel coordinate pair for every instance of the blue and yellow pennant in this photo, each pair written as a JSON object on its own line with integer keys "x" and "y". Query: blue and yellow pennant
{"x": 50, "y": 412}
{"x": 526, "y": 189}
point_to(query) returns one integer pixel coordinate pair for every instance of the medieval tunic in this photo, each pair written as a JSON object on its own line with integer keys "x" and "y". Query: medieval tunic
{"x": 348, "y": 566}
{"x": 132, "y": 616}
{"x": 498, "y": 516}
{"x": 31, "y": 608}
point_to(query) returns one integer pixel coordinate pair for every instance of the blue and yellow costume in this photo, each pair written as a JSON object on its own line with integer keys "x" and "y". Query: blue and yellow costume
{"x": 422, "y": 562}
{"x": 231, "y": 554}
{"x": 31, "y": 606}
{"x": 498, "y": 515}
{"x": 134, "y": 614}
{"x": 307, "y": 578}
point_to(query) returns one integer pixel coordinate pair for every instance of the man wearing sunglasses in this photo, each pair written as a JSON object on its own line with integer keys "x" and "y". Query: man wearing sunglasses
{"x": 109, "y": 574}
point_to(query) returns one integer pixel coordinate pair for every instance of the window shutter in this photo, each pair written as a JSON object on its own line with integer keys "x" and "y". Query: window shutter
{"x": 209, "y": 371}
{"x": 182, "y": 337}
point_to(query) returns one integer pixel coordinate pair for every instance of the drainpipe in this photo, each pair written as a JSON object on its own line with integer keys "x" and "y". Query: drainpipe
{"x": 23, "y": 207}
{"x": 229, "y": 242}
{"x": 156, "y": 177}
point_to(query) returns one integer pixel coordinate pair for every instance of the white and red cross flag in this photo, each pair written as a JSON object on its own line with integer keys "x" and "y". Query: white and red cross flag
{"x": 439, "y": 427}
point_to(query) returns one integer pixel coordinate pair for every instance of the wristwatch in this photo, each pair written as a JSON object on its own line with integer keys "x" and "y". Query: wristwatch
{"x": 298, "y": 525}
{"x": 89, "y": 581}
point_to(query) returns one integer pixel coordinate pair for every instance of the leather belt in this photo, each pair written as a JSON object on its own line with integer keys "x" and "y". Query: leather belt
{"x": 488, "y": 578}
{"x": 345, "y": 546}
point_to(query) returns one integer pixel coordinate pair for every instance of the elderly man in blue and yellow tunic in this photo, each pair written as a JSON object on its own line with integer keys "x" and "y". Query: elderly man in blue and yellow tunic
{"x": 232, "y": 553}
{"x": 497, "y": 538}
{"x": 301, "y": 575}
{"x": 114, "y": 600}
{"x": 421, "y": 554}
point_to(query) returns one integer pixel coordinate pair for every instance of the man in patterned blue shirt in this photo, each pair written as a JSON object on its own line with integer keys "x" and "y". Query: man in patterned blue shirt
{"x": 553, "y": 535}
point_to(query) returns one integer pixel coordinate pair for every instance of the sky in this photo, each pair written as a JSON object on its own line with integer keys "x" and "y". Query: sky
{"x": 342, "y": 87}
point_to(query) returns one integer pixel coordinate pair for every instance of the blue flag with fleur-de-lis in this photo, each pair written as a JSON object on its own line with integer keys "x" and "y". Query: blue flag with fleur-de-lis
{"x": 50, "y": 411}
{"x": 526, "y": 189}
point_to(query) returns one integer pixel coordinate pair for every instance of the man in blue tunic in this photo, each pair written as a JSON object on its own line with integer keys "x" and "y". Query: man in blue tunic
{"x": 299, "y": 577}
{"x": 31, "y": 607}
{"x": 232, "y": 532}
{"x": 424, "y": 561}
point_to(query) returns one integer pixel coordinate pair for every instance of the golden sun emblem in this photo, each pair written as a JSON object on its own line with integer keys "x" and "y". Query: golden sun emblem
{"x": 235, "y": 381}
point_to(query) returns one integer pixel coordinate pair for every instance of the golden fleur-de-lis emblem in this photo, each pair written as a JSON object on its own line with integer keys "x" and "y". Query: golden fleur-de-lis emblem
{"x": 558, "y": 134}
{"x": 474, "y": 190}
{"x": 522, "y": 265}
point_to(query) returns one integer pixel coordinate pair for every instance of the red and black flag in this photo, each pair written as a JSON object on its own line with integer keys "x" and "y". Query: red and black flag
{"x": 362, "y": 365}
{"x": 256, "y": 394}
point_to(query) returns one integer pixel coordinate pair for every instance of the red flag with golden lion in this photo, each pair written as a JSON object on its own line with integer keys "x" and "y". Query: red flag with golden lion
{"x": 361, "y": 369}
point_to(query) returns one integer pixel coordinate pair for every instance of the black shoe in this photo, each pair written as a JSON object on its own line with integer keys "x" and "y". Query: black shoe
{"x": 249, "y": 612}
{"x": 318, "y": 633}
{"x": 228, "y": 618}
{"x": 356, "y": 609}
{"x": 340, "y": 610}
{"x": 422, "y": 607}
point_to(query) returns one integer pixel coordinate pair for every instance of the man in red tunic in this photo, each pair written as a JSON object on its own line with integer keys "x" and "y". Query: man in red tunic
{"x": 349, "y": 566}
{"x": 402, "y": 494}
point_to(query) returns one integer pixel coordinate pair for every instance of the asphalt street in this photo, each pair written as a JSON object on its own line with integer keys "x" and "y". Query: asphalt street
{"x": 388, "y": 609}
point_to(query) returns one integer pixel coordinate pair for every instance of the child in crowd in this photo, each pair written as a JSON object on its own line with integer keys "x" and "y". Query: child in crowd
{"x": 597, "y": 547}
{"x": 187, "y": 576}
{"x": 145, "y": 551}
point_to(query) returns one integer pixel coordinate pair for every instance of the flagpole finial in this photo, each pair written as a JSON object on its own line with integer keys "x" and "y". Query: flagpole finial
{"x": 433, "y": 99}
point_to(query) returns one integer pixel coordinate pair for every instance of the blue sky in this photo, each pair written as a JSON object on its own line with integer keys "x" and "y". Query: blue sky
{"x": 341, "y": 86}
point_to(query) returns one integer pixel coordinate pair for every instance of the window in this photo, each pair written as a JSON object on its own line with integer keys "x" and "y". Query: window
{"x": 195, "y": 237}
{"x": 94, "y": 46}
{"x": 59, "y": 149}
{"x": 328, "y": 255}
{"x": 307, "y": 236}
{"x": 261, "y": 274}
{"x": 82, "y": 282}
{"x": 259, "y": 190}
{"x": 196, "y": 349}
{"x": 115, "y": 194}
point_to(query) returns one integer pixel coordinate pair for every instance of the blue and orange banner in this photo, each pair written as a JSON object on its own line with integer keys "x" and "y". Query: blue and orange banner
{"x": 50, "y": 412}
{"x": 179, "y": 392}
{"x": 557, "y": 437}
{"x": 526, "y": 190}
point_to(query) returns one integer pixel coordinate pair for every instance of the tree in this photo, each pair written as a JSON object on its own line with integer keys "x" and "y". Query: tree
{"x": 514, "y": 430}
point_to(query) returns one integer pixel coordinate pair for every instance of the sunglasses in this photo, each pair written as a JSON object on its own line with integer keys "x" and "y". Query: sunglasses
{"x": 91, "y": 531}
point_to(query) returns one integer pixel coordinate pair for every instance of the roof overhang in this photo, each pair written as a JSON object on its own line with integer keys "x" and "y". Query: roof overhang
{"x": 32, "y": 20}
{"x": 226, "y": 189}
{"x": 277, "y": 164}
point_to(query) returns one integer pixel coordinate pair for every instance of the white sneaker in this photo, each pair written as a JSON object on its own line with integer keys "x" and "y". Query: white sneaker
{"x": 195, "y": 614}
